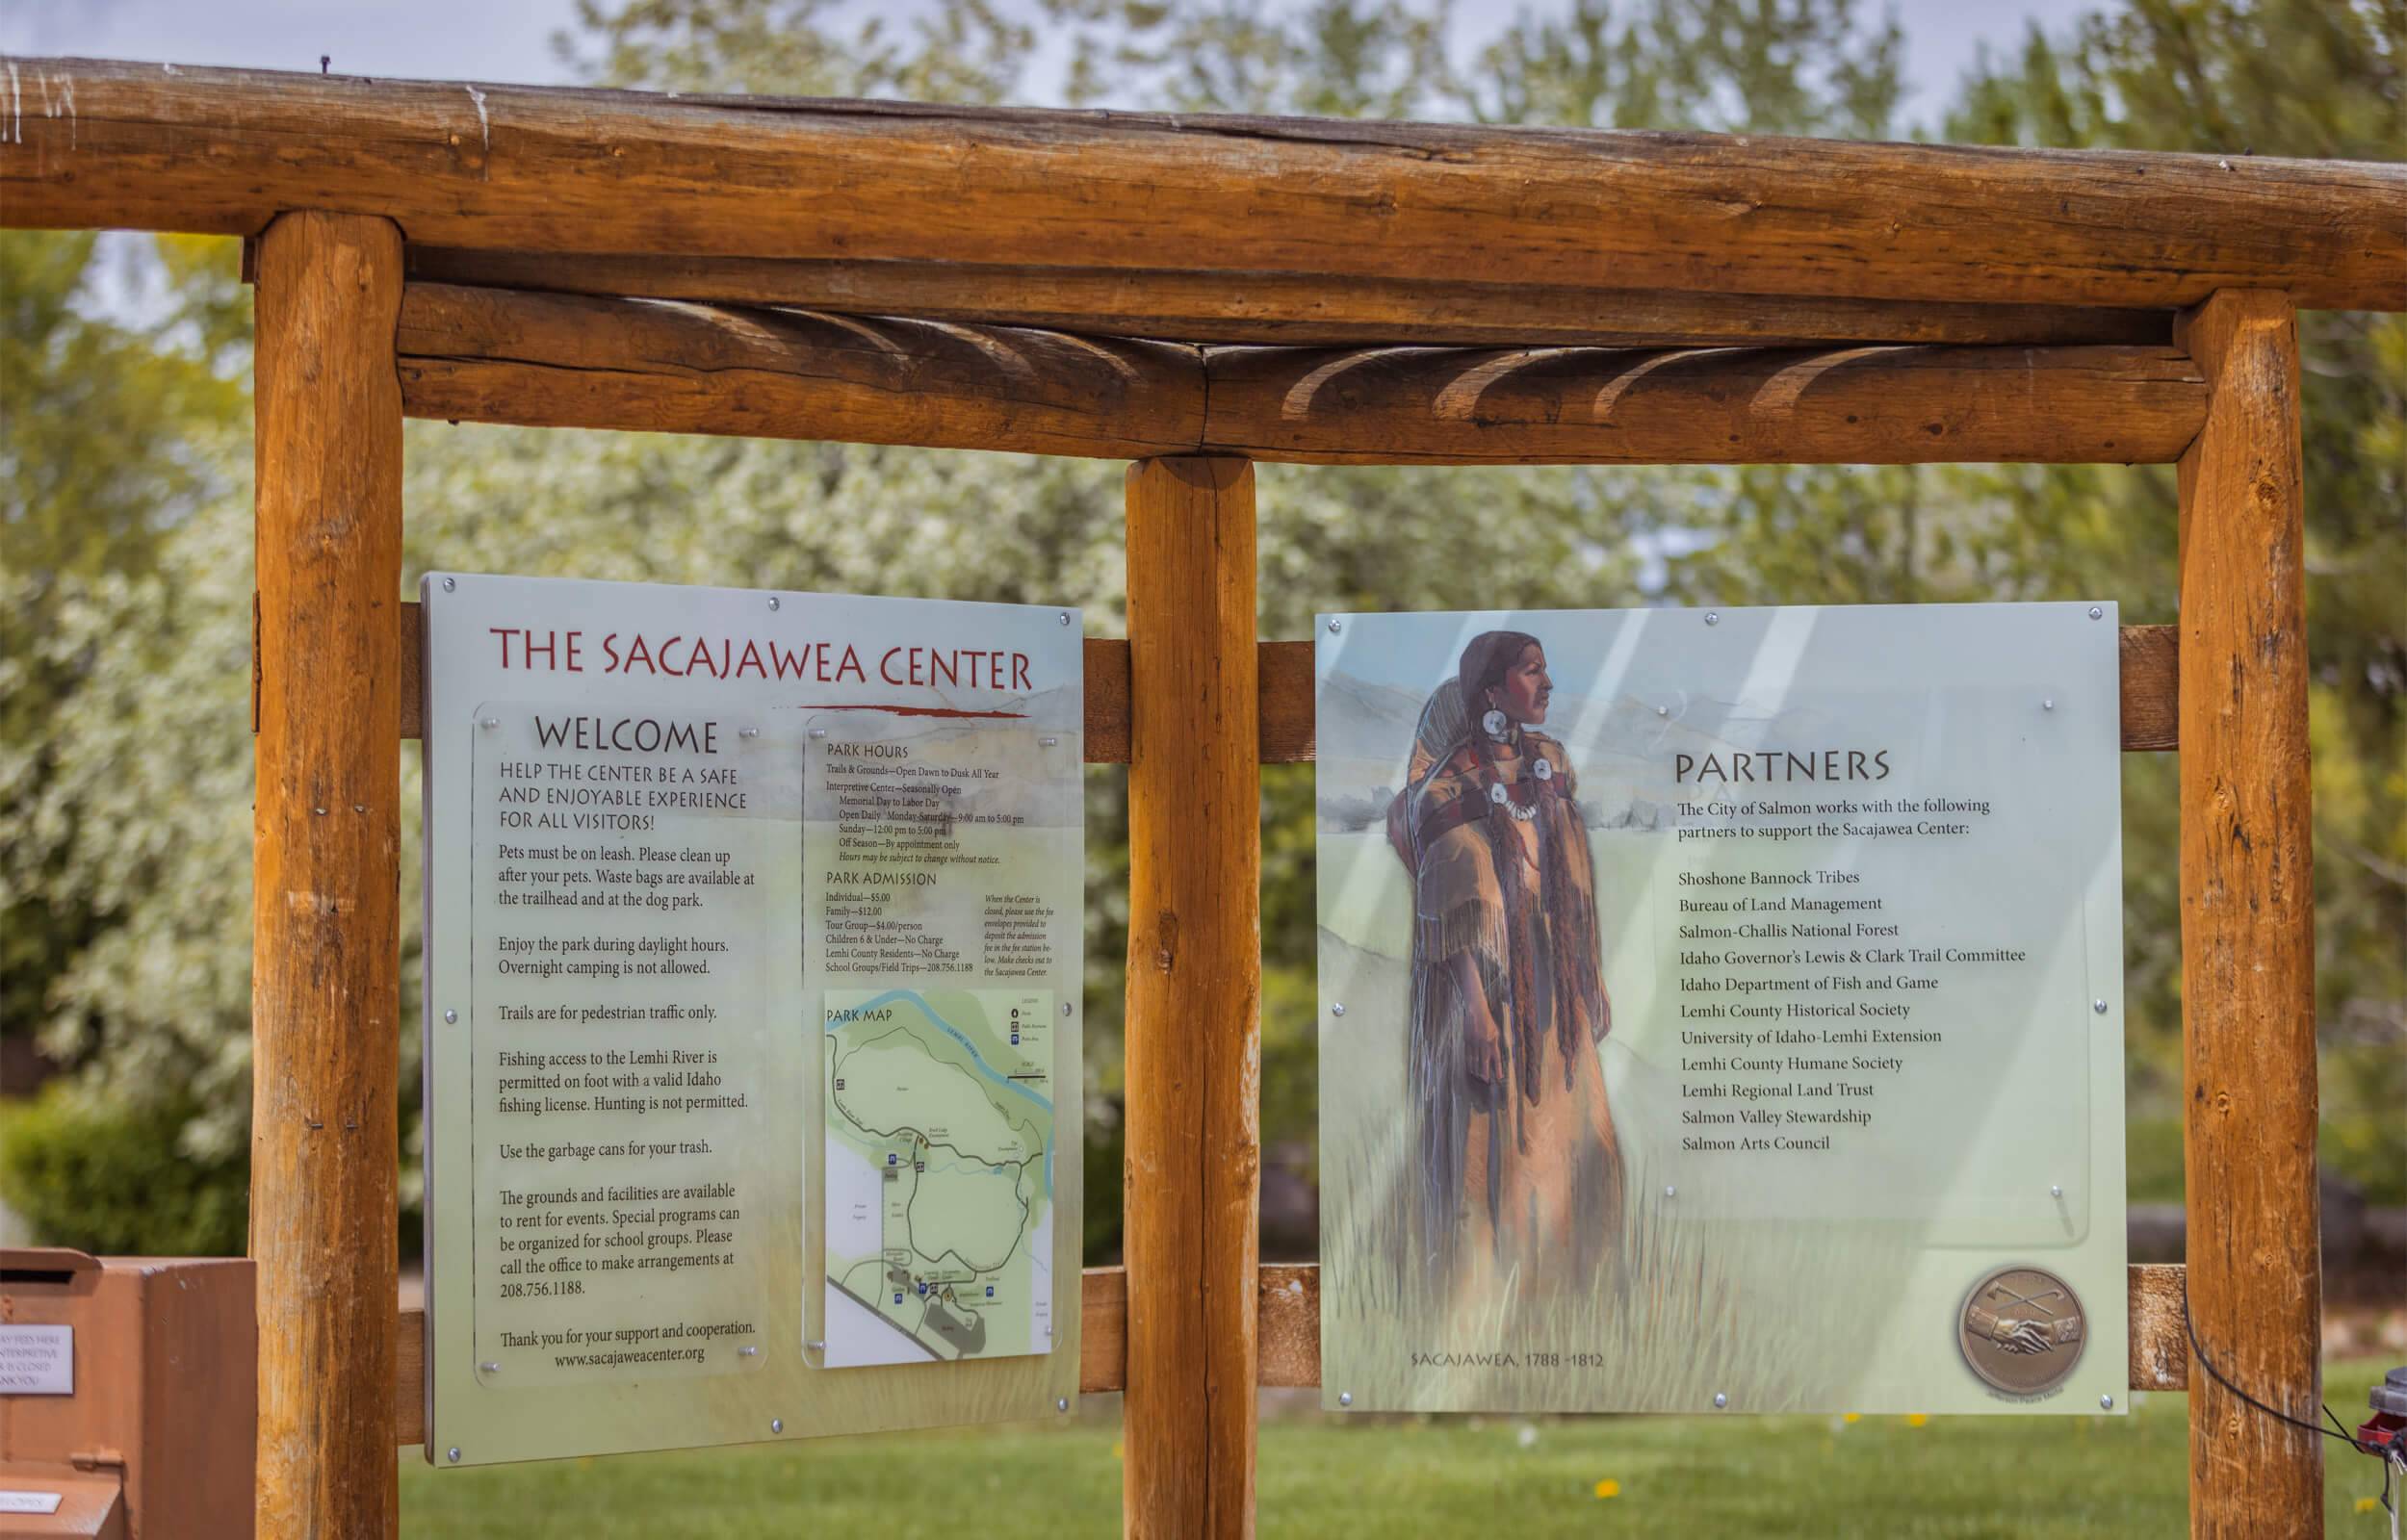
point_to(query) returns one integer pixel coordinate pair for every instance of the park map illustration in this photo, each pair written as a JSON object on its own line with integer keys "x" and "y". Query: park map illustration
{"x": 940, "y": 1179}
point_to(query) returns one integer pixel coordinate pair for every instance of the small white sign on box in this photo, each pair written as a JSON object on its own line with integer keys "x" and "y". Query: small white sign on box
{"x": 29, "y": 1502}
{"x": 36, "y": 1360}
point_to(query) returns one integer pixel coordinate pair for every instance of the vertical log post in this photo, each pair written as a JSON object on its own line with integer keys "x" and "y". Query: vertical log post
{"x": 325, "y": 938}
{"x": 2248, "y": 930}
{"x": 1194, "y": 1025}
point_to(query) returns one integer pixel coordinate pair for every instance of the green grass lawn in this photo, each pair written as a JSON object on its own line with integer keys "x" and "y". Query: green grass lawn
{"x": 1473, "y": 1476}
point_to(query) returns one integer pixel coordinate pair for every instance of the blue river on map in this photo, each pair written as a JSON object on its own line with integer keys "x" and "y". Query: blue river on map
{"x": 924, "y": 1009}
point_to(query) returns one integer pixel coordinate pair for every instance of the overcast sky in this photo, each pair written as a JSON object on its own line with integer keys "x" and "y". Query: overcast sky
{"x": 511, "y": 39}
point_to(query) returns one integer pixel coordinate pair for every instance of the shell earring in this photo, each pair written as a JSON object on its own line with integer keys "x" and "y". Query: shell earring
{"x": 1495, "y": 725}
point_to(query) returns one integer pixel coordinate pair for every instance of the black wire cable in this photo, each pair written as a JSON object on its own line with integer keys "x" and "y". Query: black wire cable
{"x": 2198, "y": 1353}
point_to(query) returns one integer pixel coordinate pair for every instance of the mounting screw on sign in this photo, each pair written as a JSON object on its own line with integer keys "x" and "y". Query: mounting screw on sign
{"x": 448, "y": 584}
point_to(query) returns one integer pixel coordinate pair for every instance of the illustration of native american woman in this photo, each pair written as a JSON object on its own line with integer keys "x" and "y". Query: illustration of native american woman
{"x": 1520, "y": 1176}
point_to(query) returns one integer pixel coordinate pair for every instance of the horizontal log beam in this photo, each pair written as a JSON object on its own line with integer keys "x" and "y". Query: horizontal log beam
{"x": 99, "y": 144}
{"x": 1874, "y": 405}
{"x": 491, "y": 355}
{"x": 1290, "y": 1298}
{"x": 1287, "y": 310}
{"x": 575, "y": 361}
{"x": 2149, "y": 657}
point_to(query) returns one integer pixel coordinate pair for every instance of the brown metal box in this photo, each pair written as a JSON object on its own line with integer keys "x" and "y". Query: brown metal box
{"x": 166, "y": 1399}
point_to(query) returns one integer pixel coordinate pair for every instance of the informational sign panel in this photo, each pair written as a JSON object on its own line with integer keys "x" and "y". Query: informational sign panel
{"x": 732, "y": 896}
{"x": 1722, "y": 1010}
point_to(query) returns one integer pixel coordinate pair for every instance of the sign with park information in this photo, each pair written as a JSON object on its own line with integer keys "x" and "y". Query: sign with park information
{"x": 753, "y": 942}
{"x": 1722, "y": 1009}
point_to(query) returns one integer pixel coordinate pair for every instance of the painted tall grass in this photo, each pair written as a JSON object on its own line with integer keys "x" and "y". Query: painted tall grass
{"x": 1764, "y": 1312}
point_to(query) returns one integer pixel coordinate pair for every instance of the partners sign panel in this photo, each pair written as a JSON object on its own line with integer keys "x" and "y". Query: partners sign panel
{"x": 688, "y": 851}
{"x": 1722, "y": 1010}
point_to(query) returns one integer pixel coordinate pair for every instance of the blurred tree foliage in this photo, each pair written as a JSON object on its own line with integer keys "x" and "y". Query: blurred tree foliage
{"x": 2320, "y": 78}
{"x": 128, "y": 758}
{"x": 113, "y": 433}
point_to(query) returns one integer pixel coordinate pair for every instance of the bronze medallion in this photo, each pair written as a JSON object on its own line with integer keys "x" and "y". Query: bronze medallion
{"x": 2022, "y": 1330}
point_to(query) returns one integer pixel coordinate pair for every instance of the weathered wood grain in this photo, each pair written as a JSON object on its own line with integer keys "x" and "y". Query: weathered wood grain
{"x": 513, "y": 167}
{"x": 1286, "y": 693}
{"x": 2151, "y": 661}
{"x": 1286, "y": 309}
{"x": 325, "y": 935}
{"x": 2248, "y": 1004}
{"x": 2159, "y": 1339}
{"x": 1291, "y": 1325}
{"x": 573, "y": 361}
{"x": 1285, "y": 689}
{"x": 1106, "y": 734}
{"x": 409, "y": 1376}
{"x": 1873, "y": 405}
{"x": 492, "y": 355}
{"x": 1103, "y": 1330}
{"x": 1193, "y": 1053}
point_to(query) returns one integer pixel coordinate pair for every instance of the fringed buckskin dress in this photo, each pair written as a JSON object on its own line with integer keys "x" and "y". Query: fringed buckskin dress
{"x": 1520, "y": 1175}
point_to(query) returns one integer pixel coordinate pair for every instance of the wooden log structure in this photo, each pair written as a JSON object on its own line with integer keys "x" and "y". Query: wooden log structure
{"x": 1282, "y": 309}
{"x": 1313, "y": 291}
{"x": 1193, "y": 1056}
{"x": 490, "y": 355}
{"x": 325, "y": 985}
{"x": 100, "y": 143}
{"x": 1283, "y": 687}
{"x": 573, "y": 361}
{"x": 1883, "y": 404}
{"x": 2248, "y": 1000}
{"x": 1287, "y": 1299}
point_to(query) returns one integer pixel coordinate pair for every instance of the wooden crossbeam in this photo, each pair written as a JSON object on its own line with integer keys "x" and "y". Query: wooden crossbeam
{"x": 493, "y": 355}
{"x": 2149, "y": 692}
{"x": 99, "y": 144}
{"x": 1288, "y": 1297}
{"x": 548, "y": 360}
{"x": 1289, "y": 309}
